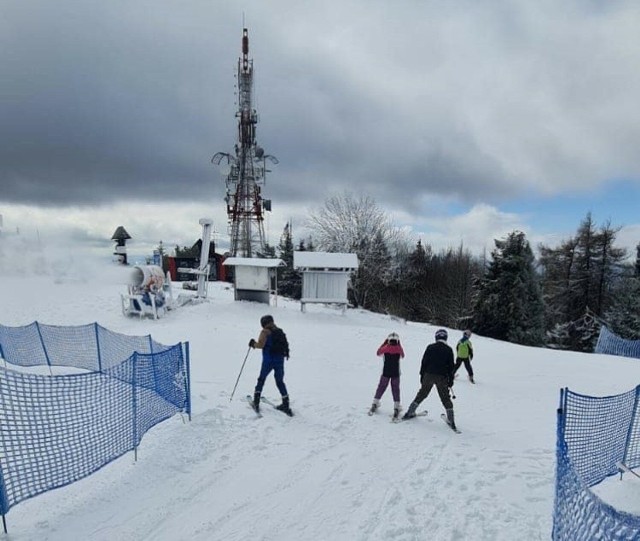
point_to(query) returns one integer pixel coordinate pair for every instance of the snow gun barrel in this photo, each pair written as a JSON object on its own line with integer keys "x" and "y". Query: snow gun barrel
{"x": 145, "y": 275}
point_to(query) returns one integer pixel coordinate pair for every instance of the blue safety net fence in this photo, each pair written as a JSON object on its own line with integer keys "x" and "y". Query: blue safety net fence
{"x": 594, "y": 435}
{"x": 56, "y": 429}
{"x": 612, "y": 344}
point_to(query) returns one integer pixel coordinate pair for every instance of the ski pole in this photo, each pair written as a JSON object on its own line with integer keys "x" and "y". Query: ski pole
{"x": 241, "y": 369}
{"x": 453, "y": 395}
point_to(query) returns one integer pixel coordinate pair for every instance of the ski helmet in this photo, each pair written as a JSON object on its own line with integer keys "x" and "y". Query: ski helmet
{"x": 393, "y": 336}
{"x": 467, "y": 333}
{"x": 441, "y": 334}
{"x": 265, "y": 320}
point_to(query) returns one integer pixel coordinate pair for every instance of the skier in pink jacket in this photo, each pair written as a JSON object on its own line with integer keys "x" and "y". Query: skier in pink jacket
{"x": 392, "y": 351}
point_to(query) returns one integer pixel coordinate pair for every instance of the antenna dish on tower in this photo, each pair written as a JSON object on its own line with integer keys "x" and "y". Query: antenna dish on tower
{"x": 245, "y": 170}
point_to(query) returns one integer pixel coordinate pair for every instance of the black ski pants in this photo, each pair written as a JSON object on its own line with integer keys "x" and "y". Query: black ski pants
{"x": 441, "y": 383}
{"x": 467, "y": 365}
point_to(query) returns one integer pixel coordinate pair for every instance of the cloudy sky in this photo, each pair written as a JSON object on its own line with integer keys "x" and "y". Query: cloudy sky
{"x": 464, "y": 120}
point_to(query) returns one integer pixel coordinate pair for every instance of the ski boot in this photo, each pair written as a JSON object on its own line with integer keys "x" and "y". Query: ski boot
{"x": 256, "y": 402}
{"x": 374, "y": 407}
{"x": 450, "y": 419}
{"x": 471, "y": 379}
{"x": 396, "y": 411}
{"x": 411, "y": 412}
{"x": 284, "y": 407}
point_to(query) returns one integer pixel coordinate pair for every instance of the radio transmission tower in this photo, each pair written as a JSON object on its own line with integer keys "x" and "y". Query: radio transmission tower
{"x": 247, "y": 170}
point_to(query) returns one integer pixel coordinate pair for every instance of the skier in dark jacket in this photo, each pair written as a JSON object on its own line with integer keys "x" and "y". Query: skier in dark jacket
{"x": 270, "y": 361}
{"x": 392, "y": 351}
{"x": 436, "y": 369}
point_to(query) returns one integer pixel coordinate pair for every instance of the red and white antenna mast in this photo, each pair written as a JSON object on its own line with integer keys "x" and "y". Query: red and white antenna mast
{"x": 246, "y": 176}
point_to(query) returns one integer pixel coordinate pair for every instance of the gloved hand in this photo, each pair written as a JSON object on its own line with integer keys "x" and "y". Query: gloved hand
{"x": 252, "y": 343}
{"x": 450, "y": 382}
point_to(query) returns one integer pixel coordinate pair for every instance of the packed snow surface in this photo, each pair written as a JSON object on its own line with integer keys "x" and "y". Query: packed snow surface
{"x": 331, "y": 472}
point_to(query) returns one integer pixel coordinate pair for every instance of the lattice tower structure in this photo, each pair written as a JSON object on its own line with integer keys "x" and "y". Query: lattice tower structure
{"x": 245, "y": 205}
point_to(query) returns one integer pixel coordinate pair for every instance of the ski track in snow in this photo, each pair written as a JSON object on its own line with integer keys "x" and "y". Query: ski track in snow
{"x": 342, "y": 479}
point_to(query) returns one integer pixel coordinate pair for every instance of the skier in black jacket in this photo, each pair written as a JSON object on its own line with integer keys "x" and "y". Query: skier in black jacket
{"x": 436, "y": 369}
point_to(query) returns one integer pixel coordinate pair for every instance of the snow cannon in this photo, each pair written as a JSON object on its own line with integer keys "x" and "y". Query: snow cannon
{"x": 146, "y": 276}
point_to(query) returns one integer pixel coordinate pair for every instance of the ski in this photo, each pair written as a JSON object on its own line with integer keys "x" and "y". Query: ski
{"x": 444, "y": 418}
{"x": 250, "y": 400}
{"x": 422, "y": 413}
{"x": 275, "y": 406}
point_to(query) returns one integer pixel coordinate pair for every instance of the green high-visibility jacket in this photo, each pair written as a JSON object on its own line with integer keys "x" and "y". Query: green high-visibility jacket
{"x": 464, "y": 349}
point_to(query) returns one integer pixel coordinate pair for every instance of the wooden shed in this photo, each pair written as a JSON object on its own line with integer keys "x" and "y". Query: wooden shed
{"x": 325, "y": 276}
{"x": 254, "y": 279}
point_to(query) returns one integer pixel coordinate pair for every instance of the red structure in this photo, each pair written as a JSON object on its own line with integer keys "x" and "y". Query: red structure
{"x": 247, "y": 170}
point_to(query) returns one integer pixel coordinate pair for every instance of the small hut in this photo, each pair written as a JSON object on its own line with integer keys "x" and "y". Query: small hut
{"x": 325, "y": 276}
{"x": 254, "y": 279}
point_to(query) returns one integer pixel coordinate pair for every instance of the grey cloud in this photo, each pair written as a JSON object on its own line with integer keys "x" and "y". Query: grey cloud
{"x": 97, "y": 109}
{"x": 103, "y": 102}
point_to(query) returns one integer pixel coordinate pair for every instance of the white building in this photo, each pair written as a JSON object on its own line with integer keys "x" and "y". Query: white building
{"x": 325, "y": 276}
{"x": 254, "y": 279}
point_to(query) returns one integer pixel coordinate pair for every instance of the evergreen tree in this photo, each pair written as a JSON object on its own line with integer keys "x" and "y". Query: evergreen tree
{"x": 269, "y": 251}
{"x": 413, "y": 284}
{"x": 508, "y": 304}
{"x": 623, "y": 316}
{"x": 558, "y": 270}
{"x": 306, "y": 246}
{"x": 578, "y": 278}
{"x": 289, "y": 279}
{"x": 310, "y": 246}
{"x": 608, "y": 266}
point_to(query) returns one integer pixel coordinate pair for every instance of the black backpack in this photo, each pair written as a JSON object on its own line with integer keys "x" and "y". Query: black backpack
{"x": 279, "y": 343}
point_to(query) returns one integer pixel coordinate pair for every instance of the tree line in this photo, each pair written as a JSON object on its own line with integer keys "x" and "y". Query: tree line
{"x": 559, "y": 299}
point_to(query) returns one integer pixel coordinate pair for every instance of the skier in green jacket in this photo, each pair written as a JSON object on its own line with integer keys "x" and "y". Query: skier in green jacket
{"x": 464, "y": 354}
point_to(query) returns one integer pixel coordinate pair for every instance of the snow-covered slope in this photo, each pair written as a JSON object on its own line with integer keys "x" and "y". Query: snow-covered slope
{"x": 331, "y": 472}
